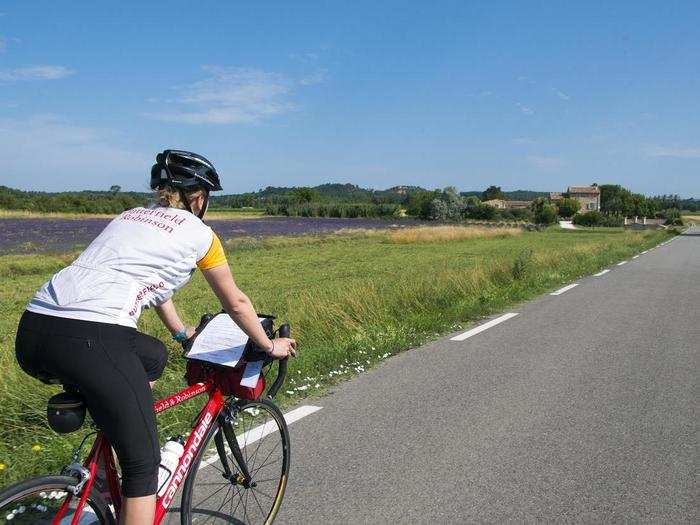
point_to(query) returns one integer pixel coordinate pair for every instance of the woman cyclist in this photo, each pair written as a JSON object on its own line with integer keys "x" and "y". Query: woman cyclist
{"x": 80, "y": 327}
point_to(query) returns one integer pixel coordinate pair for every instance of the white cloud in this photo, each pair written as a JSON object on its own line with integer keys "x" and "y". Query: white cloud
{"x": 526, "y": 110}
{"x": 561, "y": 94}
{"x": 678, "y": 153}
{"x": 544, "y": 162}
{"x": 35, "y": 73}
{"x": 230, "y": 96}
{"x": 523, "y": 141}
{"x": 48, "y": 152}
{"x": 318, "y": 77}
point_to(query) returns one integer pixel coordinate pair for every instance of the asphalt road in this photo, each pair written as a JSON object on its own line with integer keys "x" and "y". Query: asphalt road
{"x": 581, "y": 408}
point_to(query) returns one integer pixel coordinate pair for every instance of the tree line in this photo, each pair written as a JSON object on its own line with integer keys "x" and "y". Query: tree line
{"x": 348, "y": 200}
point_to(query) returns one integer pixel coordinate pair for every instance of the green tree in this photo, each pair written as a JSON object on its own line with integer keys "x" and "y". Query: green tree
{"x": 543, "y": 212}
{"x": 493, "y": 192}
{"x": 419, "y": 203}
{"x": 305, "y": 194}
{"x": 568, "y": 207}
{"x": 614, "y": 199}
{"x": 114, "y": 189}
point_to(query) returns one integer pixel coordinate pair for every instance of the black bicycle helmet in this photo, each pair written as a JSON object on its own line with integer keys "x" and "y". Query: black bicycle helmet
{"x": 184, "y": 170}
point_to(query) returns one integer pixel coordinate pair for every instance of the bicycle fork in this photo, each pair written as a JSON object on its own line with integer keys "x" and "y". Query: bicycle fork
{"x": 243, "y": 477}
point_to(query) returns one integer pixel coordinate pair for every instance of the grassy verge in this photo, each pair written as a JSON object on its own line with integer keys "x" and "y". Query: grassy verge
{"x": 352, "y": 299}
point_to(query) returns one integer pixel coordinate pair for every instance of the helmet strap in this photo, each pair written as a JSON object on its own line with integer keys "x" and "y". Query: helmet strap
{"x": 204, "y": 206}
{"x": 185, "y": 200}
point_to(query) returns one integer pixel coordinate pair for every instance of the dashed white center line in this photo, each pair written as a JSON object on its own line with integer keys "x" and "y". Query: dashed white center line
{"x": 481, "y": 328}
{"x": 621, "y": 263}
{"x": 603, "y": 272}
{"x": 565, "y": 289}
{"x": 259, "y": 432}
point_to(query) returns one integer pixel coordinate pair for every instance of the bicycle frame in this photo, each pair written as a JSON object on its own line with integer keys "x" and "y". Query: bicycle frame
{"x": 101, "y": 449}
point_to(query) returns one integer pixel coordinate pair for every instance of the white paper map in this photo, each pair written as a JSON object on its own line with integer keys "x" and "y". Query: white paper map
{"x": 222, "y": 342}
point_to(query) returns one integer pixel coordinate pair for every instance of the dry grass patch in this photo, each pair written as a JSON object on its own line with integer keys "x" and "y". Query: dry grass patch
{"x": 449, "y": 233}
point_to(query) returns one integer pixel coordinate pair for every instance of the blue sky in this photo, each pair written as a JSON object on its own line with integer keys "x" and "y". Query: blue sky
{"x": 532, "y": 95}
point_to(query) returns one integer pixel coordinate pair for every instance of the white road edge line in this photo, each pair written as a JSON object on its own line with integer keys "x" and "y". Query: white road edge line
{"x": 259, "y": 432}
{"x": 485, "y": 326}
{"x": 621, "y": 263}
{"x": 636, "y": 256}
{"x": 645, "y": 251}
{"x": 601, "y": 273}
{"x": 565, "y": 289}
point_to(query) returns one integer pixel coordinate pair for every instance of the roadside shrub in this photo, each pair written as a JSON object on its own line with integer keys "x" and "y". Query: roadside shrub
{"x": 522, "y": 214}
{"x": 613, "y": 221}
{"x": 590, "y": 218}
{"x": 482, "y": 212}
{"x": 595, "y": 218}
{"x": 673, "y": 217}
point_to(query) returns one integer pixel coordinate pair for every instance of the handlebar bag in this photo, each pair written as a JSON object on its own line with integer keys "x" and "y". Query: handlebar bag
{"x": 228, "y": 379}
{"x": 221, "y": 353}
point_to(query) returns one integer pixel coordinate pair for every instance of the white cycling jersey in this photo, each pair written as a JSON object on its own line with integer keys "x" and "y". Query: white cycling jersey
{"x": 139, "y": 260}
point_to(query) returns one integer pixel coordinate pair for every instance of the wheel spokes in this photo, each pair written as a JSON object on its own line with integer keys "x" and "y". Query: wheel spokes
{"x": 250, "y": 501}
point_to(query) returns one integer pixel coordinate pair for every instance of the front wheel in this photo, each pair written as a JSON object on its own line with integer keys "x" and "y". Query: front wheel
{"x": 37, "y": 501}
{"x": 217, "y": 490}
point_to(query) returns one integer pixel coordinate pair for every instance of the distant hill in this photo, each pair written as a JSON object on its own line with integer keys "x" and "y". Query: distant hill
{"x": 330, "y": 192}
{"x": 516, "y": 195}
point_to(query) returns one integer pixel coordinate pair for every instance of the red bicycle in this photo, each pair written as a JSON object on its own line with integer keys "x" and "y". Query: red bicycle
{"x": 234, "y": 466}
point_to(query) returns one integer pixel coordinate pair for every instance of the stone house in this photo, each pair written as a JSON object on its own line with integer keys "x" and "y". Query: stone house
{"x": 501, "y": 204}
{"x": 588, "y": 196}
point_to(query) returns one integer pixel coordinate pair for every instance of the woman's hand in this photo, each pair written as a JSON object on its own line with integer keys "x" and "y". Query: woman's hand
{"x": 283, "y": 347}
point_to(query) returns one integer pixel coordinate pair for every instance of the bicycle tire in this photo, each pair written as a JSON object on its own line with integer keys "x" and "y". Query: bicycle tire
{"x": 33, "y": 500}
{"x": 246, "y": 417}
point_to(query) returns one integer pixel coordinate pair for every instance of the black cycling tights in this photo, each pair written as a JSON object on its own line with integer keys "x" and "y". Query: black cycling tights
{"x": 111, "y": 365}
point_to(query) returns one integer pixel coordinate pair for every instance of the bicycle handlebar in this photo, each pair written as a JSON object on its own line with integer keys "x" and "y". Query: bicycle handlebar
{"x": 284, "y": 331}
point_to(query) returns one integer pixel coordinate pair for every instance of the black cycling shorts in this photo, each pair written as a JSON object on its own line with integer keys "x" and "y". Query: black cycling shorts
{"x": 111, "y": 365}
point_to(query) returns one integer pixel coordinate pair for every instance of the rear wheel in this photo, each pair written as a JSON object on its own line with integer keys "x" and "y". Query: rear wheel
{"x": 216, "y": 490}
{"x": 36, "y": 501}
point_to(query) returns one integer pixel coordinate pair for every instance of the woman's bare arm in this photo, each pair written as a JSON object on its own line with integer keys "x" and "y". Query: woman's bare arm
{"x": 168, "y": 314}
{"x": 238, "y": 306}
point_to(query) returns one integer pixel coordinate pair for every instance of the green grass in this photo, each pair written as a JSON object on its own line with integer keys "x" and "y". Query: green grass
{"x": 352, "y": 300}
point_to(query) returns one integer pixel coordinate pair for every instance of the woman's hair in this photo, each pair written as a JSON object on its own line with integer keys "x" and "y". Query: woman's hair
{"x": 171, "y": 198}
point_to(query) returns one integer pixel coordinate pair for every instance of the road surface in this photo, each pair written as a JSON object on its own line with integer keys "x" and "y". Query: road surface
{"x": 583, "y": 407}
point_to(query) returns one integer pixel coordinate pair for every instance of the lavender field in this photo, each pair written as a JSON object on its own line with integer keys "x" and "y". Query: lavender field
{"x": 52, "y": 234}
